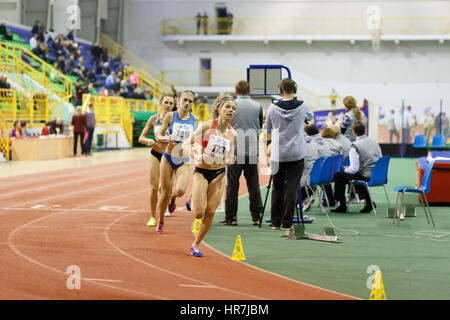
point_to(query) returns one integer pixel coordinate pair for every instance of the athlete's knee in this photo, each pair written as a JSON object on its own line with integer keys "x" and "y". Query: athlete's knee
{"x": 153, "y": 189}
{"x": 179, "y": 192}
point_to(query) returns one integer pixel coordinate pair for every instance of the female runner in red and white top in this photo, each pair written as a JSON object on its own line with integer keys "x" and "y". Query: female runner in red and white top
{"x": 212, "y": 148}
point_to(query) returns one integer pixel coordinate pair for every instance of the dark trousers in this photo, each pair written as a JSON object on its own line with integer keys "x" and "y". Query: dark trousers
{"x": 75, "y": 142}
{"x": 88, "y": 142}
{"x": 251, "y": 175}
{"x": 341, "y": 179}
{"x": 285, "y": 184}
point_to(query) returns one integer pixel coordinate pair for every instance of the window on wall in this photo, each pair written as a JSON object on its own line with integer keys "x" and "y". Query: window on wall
{"x": 205, "y": 72}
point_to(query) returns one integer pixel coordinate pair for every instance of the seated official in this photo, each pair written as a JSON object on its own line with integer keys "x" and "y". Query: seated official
{"x": 315, "y": 141}
{"x": 364, "y": 153}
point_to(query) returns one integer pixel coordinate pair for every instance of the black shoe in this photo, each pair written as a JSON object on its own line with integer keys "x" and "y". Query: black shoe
{"x": 273, "y": 227}
{"x": 340, "y": 209}
{"x": 368, "y": 207}
{"x": 225, "y": 223}
{"x": 255, "y": 222}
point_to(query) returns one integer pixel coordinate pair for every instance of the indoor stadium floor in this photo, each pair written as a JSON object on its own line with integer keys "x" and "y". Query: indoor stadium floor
{"x": 91, "y": 212}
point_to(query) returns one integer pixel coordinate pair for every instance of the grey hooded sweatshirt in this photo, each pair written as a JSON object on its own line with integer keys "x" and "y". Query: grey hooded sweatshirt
{"x": 285, "y": 121}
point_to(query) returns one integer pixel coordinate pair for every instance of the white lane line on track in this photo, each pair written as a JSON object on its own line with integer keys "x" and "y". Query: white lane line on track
{"x": 76, "y": 209}
{"x": 31, "y": 178}
{"x": 168, "y": 271}
{"x": 103, "y": 280}
{"x": 19, "y": 253}
{"x": 196, "y": 286}
{"x": 69, "y": 194}
{"x": 70, "y": 182}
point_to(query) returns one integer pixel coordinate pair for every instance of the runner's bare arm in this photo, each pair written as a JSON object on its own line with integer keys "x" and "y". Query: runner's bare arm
{"x": 165, "y": 124}
{"x": 144, "y": 133}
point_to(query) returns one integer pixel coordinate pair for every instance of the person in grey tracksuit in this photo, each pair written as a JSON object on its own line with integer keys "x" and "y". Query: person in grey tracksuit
{"x": 285, "y": 121}
{"x": 364, "y": 153}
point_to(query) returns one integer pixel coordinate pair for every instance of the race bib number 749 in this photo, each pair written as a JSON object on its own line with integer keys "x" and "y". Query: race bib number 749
{"x": 182, "y": 131}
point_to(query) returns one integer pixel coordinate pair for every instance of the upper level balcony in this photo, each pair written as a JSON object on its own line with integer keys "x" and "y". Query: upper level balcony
{"x": 306, "y": 29}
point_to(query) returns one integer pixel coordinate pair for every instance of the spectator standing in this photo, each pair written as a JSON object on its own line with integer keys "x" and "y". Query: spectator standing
{"x": 333, "y": 97}
{"x": 428, "y": 125}
{"x": 363, "y": 155}
{"x": 230, "y": 22}
{"x": 414, "y": 126}
{"x": 285, "y": 119}
{"x": 392, "y": 127}
{"x": 16, "y": 131}
{"x": 90, "y": 127}
{"x": 407, "y": 124}
{"x": 36, "y": 28}
{"x": 353, "y": 114}
{"x": 248, "y": 122}
{"x": 198, "y": 20}
{"x": 4, "y": 82}
{"x": 34, "y": 43}
{"x": 79, "y": 127}
{"x": 4, "y": 32}
{"x": 445, "y": 124}
{"x": 205, "y": 23}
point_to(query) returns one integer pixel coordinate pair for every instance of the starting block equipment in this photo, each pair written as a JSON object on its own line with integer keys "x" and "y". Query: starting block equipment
{"x": 297, "y": 232}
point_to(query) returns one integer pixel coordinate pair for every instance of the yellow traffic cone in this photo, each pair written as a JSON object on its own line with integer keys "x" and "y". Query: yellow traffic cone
{"x": 377, "y": 292}
{"x": 238, "y": 253}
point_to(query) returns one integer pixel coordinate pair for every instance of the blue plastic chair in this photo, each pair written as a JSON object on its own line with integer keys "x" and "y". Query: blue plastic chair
{"x": 314, "y": 176}
{"x": 420, "y": 141}
{"x": 438, "y": 141}
{"x": 326, "y": 176}
{"x": 422, "y": 190}
{"x": 337, "y": 166}
{"x": 379, "y": 177}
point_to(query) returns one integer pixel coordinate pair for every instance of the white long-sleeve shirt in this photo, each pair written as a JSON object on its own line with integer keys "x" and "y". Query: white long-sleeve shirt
{"x": 354, "y": 162}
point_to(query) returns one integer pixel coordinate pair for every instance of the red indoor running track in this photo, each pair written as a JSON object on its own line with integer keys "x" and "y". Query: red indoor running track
{"x": 94, "y": 218}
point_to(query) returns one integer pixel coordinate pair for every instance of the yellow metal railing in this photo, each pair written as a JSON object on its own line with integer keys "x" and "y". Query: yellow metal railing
{"x": 201, "y": 110}
{"x": 22, "y": 62}
{"x": 141, "y": 105}
{"x": 144, "y": 70}
{"x": 33, "y": 107}
{"x": 306, "y": 25}
{"x": 112, "y": 111}
{"x": 4, "y": 136}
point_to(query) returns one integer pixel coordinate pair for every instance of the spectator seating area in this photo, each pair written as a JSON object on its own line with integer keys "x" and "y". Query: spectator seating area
{"x": 89, "y": 66}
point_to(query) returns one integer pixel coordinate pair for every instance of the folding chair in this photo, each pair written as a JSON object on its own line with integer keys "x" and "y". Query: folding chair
{"x": 379, "y": 177}
{"x": 327, "y": 172}
{"x": 422, "y": 190}
{"x": 420, "y": 141}
{"x": 438, "y": 141}
{"x": 314, "y": 176}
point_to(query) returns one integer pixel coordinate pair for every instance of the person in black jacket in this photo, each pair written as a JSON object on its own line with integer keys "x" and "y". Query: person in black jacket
{"x": 36, "y": 28}
{"x": 4, "y": 32}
